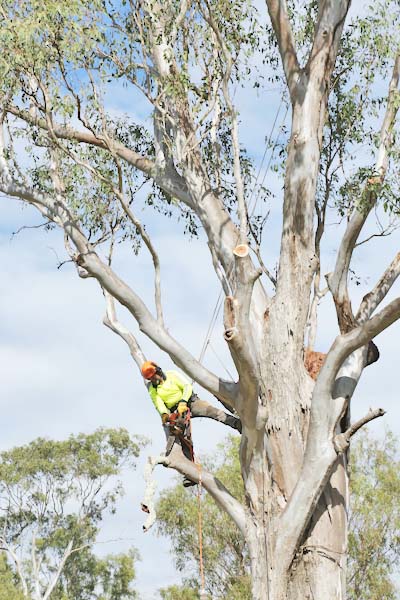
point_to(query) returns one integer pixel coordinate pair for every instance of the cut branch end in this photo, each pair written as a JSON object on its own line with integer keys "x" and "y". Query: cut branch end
{"x": 241, "y": 250}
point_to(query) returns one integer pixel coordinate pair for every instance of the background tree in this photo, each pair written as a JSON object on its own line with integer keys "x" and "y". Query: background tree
{"x": 53, "y": 496}
{"x": 83, "y": 170}
{"x": 9, "y": 585}
{"x": 374, "y": 522}
{"x": 374, "y": 526}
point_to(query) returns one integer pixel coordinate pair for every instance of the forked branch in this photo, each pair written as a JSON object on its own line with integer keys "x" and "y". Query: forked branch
{"x": 337, "y": 280}
{"x": 320, "y": 454}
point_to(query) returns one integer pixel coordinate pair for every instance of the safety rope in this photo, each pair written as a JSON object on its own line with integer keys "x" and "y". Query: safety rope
{"x": 200, "y": 532}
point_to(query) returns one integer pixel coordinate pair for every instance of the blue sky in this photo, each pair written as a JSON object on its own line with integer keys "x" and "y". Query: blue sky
{"x": 62, "y": 371}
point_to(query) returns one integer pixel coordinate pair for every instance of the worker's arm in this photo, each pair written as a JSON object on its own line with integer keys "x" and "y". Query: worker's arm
{"x": 157, "y": 401}
{"x": 183, "y": 385}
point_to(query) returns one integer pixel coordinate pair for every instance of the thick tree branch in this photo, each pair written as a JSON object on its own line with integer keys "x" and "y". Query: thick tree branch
{"x": 87, "y": 258}
{"x": 53, "y": 583}
{"x": 170, "y": 182}
{"x": 176, "y": 460}
{"x": 238, "y": 332}
{"x": 331, "y": 17}
{"x": 280, "y": 22}
{"x": 337, "y": 280}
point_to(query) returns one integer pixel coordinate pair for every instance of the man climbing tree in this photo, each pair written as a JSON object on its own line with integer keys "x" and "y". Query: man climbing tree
{"x": 85, "y": 171}
{"x": 172, "y": 395}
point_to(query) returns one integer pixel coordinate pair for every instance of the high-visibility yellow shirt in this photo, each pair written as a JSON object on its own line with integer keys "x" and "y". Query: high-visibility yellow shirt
{"x": 171, "y": 391}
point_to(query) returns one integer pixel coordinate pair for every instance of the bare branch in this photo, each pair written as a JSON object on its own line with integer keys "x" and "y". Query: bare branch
{"x": 337, "y": 280}
{"x": 111, "y": 321}
{"x": 342, "y": 440}
{"x": 25, "y": 227}
{"x": 242, "y": 210}
{"x": 176, "y": 460}
{"x": 149, "y": 245}
{"x": 280, "y": 22}
{"x": 18, "y": 565}
{"x": 378, "y": 293}
{"x": 218, "y": 270}
{"x": 257, "y": 252}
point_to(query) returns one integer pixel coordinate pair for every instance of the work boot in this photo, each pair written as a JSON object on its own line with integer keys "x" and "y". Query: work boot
{"x": 188, "y": 482}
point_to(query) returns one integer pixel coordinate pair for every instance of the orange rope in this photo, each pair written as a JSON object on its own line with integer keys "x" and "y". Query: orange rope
{"x": 200, "y": 522}
{"x": 200, "y": 526}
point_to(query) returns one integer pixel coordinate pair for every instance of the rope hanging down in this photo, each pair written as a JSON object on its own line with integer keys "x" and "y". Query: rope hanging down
{"x": 203, "y": 594}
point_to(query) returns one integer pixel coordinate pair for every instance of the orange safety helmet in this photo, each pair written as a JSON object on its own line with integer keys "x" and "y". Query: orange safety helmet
{"x": 149, "y": 369}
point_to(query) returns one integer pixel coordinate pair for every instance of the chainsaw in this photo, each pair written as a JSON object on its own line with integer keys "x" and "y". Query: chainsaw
{"x": 179, "y": 428}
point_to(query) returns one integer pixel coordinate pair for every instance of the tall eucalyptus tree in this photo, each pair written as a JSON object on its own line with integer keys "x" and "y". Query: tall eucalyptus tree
{"x": 82, "y": 169}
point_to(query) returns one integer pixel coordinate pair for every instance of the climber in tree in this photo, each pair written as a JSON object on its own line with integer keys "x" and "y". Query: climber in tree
{"x": 171, "y": 391}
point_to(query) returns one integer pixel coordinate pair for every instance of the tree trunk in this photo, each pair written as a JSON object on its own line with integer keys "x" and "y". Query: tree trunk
{"x": 318, "y": 571}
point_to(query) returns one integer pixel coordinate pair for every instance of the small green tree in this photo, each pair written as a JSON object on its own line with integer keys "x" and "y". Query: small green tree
{"x": 177, "y": 592}
{"x": 53, "y": 496}
{"x": 374, "y": 537}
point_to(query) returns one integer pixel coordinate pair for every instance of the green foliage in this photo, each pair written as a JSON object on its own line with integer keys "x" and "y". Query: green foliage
{"x": 374, "y": 538}
{"x": 44, "y": 71}
{"x": 356, "y": 106}
{"x": 54, "y": 495}
{"x": 88, "y": 577}
{"x": 9, "y": 587}
{"x": 176, "y": 592}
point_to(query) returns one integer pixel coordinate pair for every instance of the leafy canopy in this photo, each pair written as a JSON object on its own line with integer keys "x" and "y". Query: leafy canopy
{"x": 53, "y": 496}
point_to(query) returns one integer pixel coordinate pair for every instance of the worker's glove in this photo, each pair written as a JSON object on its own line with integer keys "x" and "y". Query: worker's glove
{"x": 182, "y": 408}
{"x": 165, "y": 418}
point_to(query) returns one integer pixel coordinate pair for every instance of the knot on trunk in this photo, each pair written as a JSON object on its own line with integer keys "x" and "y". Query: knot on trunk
{"x": 230, "y": 308}
{"x": 341, "y": 442}
{"x": 230, "y": 333}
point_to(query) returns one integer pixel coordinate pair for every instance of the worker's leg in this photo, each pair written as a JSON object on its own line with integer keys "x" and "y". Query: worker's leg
{"x": 201, "y": 408}
{"x": 187, "y": 450}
